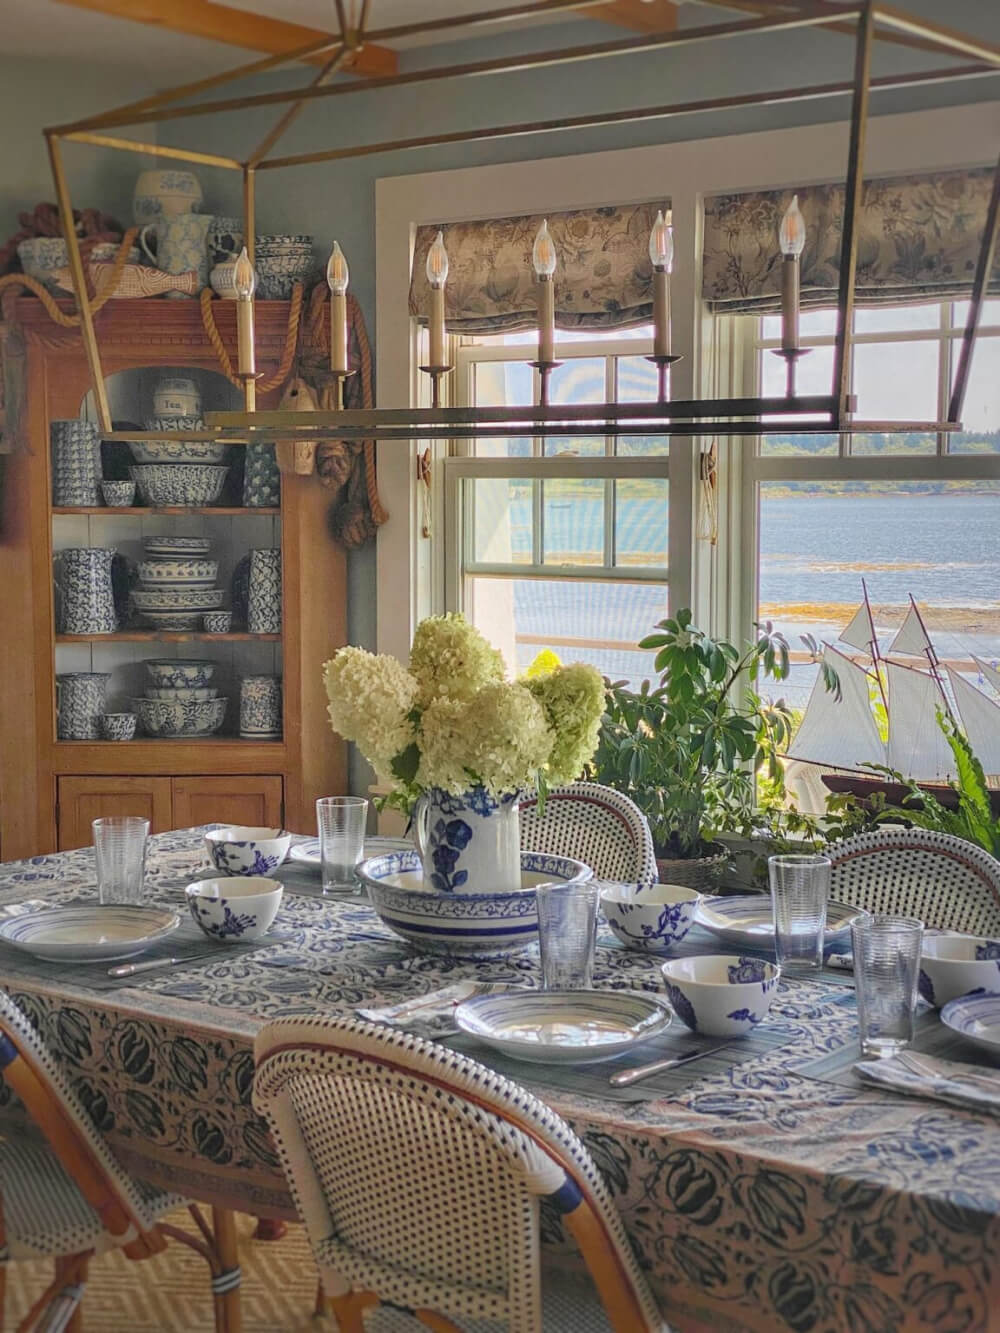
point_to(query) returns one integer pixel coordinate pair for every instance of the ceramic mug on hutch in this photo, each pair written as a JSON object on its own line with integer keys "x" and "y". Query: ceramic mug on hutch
{"x": 181, "y": 244}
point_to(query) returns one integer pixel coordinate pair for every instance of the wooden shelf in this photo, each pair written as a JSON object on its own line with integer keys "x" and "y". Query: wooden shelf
{"x": 167, "y": 636}
{"x": 211, "y": 511}
{"x": 175, "y": 755}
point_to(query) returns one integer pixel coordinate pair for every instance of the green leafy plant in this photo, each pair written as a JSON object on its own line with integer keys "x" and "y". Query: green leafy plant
{"x": 689, "y": 749}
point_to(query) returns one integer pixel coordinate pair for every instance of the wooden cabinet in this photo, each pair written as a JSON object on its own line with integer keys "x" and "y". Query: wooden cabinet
{"x": 166, "y": 802}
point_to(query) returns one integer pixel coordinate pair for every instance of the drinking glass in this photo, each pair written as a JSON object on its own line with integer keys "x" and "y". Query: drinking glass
{"x": 800, "y": 887}
{"x": 341, "y": 821}
{"x": 567, "y": 931}
{"x": 886, "y": 966}
{"x": 120, "y": 851}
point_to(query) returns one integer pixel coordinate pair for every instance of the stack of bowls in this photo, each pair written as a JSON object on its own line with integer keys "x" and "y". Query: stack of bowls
{"x": 281, "y": 261}
{"x": 177, "y": 583}
{"x": 178, "y": 472}
{"x": 179, "y": 701}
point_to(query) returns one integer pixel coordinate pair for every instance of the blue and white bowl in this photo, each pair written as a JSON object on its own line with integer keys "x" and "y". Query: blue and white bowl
{"x": 462, "y": 925}
{"x": 197, "y": 694}
{"x": 721, "y": 995}
{"x": 162, "y": 484}
{"x": 178, "y": 451}
{"x": 247, "y": 851}
{"x": 649, "y": 917}
{"x": 196, "y": 598}
{"x": 182, "y": 570}
{"x": 173, "y": 671}
{"x": 171, "y": 547}
{"x": 954, "y": 965}
{"x": 179, "y": 717}
{"x": 234, "y": 909}
{"x": 191, "y": 423}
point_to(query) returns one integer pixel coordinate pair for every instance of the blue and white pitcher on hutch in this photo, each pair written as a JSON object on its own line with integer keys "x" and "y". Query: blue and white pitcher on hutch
{"x": 469, "y": 843}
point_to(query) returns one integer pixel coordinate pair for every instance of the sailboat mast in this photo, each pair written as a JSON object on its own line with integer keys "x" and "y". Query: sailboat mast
{"x": 873, "y": 646}
{"x": 933, "y": 661}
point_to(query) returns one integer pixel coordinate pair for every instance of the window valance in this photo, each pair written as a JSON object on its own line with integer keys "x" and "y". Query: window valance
{"x": 603, "y": 280}
{"x": 919, "y": 239}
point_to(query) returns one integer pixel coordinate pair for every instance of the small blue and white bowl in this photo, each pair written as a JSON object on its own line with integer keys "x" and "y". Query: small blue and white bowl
{"x": 954, "y": 965}
{"x": 649, "y": 917}
{"x": 721, "y": 995}
{"x": 234, "y": 909}
{"x": 247, "y": 851}
{"x": 462, "y": 925}
{"x": 173, "y": 671}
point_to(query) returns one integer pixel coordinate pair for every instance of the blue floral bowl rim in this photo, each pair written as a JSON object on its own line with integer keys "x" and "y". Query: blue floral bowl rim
{"x": 393, "y": 862}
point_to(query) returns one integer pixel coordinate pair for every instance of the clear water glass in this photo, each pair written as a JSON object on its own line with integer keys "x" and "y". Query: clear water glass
{"x": 120, "y": 852}
{"x": 567, "y": 932}
{"x": 886, "y": 967}
{"x": 341, "y": 821}
{"x": 800, "y": 888}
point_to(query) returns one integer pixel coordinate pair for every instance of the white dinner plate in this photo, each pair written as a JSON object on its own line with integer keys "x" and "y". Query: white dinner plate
{"x": 747, "y": 920}
{"x": 307, "y": 853}
{"x": 88, "y": 933}
{"x": 975, "y": 1018}
{"x": 568, "y": 1027}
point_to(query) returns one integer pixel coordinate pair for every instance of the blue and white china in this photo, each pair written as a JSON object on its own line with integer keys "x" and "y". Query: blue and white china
{"x": 264, "y": 604}
{"x": 280, "y": 240}
{"x": 106, "y": 252}
{"x": 178, "y": 451}
{"x": 462, "y": 925}
{"x": 261, "y": 477}
{"x": 186, "y": 622}
{"x": 88, "y": 933}
{"x": 165, "y": 192}
{"x": 174, "y": 423}
{"x": 954, "y": 965}
{"x": 76, "y": 462}
{"x": 217, "y": 622}
{"x": 469, "y": 843}
{"x": 83, "y": 579}
{"x": 118, "y": 494}
{"x": 222, "y": 279}
{"x": 168, "y": 672}
{"x": 308, "y": 853}
{"x": 179, "y": 570}
{"x": 572, "y": 1027}
{"x": 279, "y": 286}
{"x": 975, "y": 1018}
{"x": 721, "y": 995}
{"x": 247, "y": 851}
{"x": 177, "y": 396}
{"x": 41, "y": 256}
{"x": 182, "y": 598}
{"x": 164, "y": 484}
{"x": 173, "y": 547}
{"x": 197, "y": 694}
{"x": 118, "y": 726}
{"x": 80, "y": 699}
{"x": 234, "y": 909}
{"x": 225, "y": 238}
{"x": 649, "y": 917}
{"x": 181, "y": 245}
{"x": 260, "y": 707}
{"x": 180, "y": 717}
{"x": 746, "y": 921}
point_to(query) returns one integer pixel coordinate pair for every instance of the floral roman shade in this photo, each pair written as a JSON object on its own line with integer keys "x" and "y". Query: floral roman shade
{"x": 603, "y": 280}
{"x": 919, "y": 240}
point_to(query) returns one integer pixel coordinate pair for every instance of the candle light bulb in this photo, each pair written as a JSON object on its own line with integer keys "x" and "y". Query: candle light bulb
{"x": 792, "y": 232}
{"x": 661, "y": 243}
{"x": 337, "y": 272}
{"x": 543, "y": 254}
{"x": 437, "y": 262}
{"x": 244, "y": 278}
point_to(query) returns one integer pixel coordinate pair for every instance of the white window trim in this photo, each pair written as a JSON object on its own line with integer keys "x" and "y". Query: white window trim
{"x": 410, "y": 571}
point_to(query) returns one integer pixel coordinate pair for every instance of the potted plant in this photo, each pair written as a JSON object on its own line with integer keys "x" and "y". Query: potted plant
{"x": 689, "y": 749}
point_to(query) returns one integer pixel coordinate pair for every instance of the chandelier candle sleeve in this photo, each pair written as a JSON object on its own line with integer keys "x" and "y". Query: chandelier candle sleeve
{"x": 244, "y": 282}
{"x": 337, "y": 275}
{"x": 543, "y": 256}
{"x": 661, "y": 254}
{"x": 437, "y": 276}
{"x": 792, "y": 238}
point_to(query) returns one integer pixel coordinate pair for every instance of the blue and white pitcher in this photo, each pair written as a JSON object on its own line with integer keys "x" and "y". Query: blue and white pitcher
{"x": 181, "y": 245}
{"x": 469, "y": 843}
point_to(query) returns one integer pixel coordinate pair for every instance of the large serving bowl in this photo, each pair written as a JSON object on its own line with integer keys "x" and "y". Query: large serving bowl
{"x": 247, "y": 851}
{"x": 235, "y": 909}
{"x": 178, "y": 717}
{"x": 183, "y": 570}
{"x": 721, "y": 995}
{"x": 197, "y": 598}
{"x": 649, "y": 917}
{"x": 162, "y": 484}
{"x": 178, "y": 451}
{"x": 463, "y": 925}
{"x": 954, "y": 965}
{"x": 174, "y": 671}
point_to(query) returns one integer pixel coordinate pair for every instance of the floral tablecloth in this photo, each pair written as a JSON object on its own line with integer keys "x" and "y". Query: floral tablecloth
{"x": 756, "y": 1199}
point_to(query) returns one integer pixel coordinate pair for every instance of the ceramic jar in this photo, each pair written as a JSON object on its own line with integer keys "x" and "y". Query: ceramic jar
{"x": 260, "y": 707}
{"x": 165, "y": 193}
{"x": 261, "y": 478}
{"x": 76, "y": 462}
{"x": 80, "y": 704}
{"x": 469, "y": 843}
{"x": 181, "y": 245}
{"x": 222, "y": 279}
{"x": 83, "y": 579}
{"x": 264, "y": 597}
{"x": 117, "y": 726}
{"x": 118, "y": 494}
{"x": 225, "y": 239}
{"x": 40, "y": 256}
{"x": 177, "y": 396}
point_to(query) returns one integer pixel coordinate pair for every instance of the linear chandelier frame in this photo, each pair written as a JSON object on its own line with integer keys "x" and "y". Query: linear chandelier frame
{"x": 828, "y": 413}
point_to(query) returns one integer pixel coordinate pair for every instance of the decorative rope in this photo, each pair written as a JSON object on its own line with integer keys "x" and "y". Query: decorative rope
{"x": 95, "y": 302}
{"x": 269, "y": 382}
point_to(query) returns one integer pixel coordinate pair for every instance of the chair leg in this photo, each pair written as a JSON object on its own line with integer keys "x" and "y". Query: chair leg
{"x": 228, "y": 1315}
{"x": 320, "y": 1306}
{"x": 270, "y": 1228}
{"x": 349, "y": 1310}
{"x": 75, "y": 1324}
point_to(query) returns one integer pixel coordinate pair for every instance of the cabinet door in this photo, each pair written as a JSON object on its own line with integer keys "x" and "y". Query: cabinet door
{"x": 254, "y": 802}
{"x": 82, "y": 800}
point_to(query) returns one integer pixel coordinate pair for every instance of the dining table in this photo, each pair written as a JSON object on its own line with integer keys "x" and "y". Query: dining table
{"x": 756, "y": 1196}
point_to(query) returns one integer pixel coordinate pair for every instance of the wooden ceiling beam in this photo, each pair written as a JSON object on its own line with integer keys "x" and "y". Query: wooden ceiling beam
{"x": 654, "y": 16}
{"x": 237, "y": 27}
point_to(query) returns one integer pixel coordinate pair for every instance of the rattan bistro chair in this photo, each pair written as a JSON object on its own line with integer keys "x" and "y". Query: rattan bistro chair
{"x": 66, "y": 1198}
{"x": 595, "y": 824}
{"x": 419, "y": 1175}
{"x": 946, "y": 882}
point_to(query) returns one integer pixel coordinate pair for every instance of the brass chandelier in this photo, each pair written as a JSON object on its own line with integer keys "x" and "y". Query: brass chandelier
{"x": 823, "y": 413}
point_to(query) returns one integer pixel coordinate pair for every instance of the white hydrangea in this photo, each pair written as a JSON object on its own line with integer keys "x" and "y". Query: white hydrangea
{"x": 371, "y": 699}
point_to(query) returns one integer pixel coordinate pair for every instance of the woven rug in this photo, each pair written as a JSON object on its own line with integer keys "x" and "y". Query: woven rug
{"x": 170, "y": 1292}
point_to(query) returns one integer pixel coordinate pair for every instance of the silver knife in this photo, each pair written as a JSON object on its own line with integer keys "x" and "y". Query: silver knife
{"x": 626, "y": 1077}
{"x": 130, "y": 969}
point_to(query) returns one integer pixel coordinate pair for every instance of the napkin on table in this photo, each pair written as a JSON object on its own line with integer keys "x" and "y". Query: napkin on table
{"x": 919, "y": 1075}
